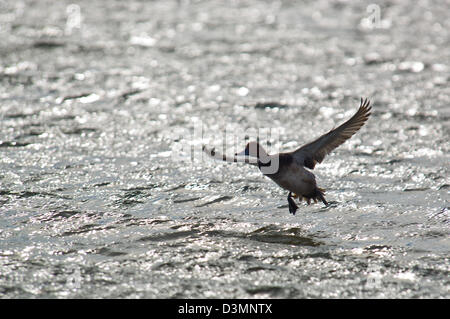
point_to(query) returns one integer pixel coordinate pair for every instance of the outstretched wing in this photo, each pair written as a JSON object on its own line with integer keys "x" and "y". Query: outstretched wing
{"x": 311, "y": 154}
{"x": 225, "y": 158}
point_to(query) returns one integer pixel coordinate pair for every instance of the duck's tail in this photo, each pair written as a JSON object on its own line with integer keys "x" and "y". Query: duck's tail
{"x": 320, "y": 192}
{"x": 317, "y": 194}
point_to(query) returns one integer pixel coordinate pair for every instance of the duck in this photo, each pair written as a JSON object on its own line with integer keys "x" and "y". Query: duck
{"x": 292, "y": 170}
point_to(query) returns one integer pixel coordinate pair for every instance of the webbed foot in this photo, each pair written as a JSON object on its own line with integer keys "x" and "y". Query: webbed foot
{"x": 292, "y": 206}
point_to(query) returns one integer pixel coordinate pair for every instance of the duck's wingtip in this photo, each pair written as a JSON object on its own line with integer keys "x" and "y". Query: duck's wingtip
{"x": 365, "y": 102}
{"x": 365, "y": 106}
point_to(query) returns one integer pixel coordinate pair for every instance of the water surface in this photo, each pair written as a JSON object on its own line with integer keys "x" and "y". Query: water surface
{"x": 93, "y": 204}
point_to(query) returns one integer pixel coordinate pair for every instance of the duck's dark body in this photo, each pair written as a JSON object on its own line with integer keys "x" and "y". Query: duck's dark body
{"x": 293, "y": 178}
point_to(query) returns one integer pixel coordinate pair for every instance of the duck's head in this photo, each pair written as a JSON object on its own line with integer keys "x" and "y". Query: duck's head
{"x": 253, "y": 149}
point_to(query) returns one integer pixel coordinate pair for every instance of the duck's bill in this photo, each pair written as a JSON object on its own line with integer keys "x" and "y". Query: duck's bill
{"x": 237, "y": 158}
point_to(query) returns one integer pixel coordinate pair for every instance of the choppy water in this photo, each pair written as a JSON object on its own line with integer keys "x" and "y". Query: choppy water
{"x": 92, "y": 203}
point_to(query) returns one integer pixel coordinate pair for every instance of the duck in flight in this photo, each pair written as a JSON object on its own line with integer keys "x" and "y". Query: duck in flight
{"x": 288, "y": 170}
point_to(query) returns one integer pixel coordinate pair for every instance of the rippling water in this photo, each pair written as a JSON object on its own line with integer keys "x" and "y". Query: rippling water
{"x": 95, "y": 97}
